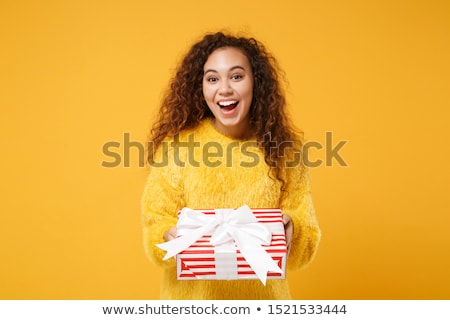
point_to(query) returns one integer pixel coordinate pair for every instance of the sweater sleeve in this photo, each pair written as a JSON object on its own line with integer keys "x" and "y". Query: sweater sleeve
{"x": 161, "y": 200}
{"x": 299, "y": 205}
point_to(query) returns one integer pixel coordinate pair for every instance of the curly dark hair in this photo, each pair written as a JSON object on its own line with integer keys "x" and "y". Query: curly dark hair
{"x": 183, "y": 105}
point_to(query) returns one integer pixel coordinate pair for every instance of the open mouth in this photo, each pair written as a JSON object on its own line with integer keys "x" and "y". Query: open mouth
{"x": 228, "y": 105}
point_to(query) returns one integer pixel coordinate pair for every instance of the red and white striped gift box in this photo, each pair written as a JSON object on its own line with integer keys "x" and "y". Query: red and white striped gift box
{"x": 198, "y": 262}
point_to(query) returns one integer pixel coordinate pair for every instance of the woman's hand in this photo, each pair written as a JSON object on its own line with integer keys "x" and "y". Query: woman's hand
{"x": 170, "y": 234}
{"x": 288, "y": 230}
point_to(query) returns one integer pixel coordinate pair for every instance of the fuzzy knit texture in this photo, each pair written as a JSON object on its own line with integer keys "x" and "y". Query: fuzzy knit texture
{"x": 222, "y": 172}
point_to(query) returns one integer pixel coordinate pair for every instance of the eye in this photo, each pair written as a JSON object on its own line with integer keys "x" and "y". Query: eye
{"x": 236, "y": 77}
{"x": 212, "y": 79}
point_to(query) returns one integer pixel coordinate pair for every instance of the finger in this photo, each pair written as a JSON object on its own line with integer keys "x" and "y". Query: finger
{"x": 286, "y": 219}
{"x": 170, "y": 234}
{"x": 289, "y": 230}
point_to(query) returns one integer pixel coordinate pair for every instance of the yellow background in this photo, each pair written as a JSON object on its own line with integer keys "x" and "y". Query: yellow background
{"x": 77, "y": 74}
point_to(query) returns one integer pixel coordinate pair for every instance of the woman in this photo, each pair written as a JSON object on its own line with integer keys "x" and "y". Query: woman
{"x": 222, "y": 140}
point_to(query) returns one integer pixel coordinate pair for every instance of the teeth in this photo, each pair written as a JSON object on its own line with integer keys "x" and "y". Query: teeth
{"x": 226, "y": 103}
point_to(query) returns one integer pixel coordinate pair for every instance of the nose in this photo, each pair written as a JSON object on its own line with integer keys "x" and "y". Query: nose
{"x": 225, "y": 88}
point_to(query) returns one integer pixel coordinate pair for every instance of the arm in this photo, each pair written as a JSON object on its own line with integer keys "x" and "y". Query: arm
{"x": 161, "y": 200}
{"x": 297, "y": 203}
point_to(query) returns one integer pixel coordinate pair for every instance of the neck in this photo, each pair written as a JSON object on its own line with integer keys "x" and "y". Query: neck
{"x": 242, "y": 132}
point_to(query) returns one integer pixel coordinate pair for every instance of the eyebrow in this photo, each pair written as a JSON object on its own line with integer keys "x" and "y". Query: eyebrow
{"x": 231, "y": 69}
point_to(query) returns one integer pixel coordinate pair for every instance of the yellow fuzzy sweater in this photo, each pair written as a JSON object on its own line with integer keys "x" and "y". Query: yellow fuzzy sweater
{"x": 207, "y": 170}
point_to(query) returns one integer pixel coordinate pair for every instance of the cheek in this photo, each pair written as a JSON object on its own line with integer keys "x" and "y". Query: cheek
{"x": 248, "y": 91}
{"x": 207, "y": 94}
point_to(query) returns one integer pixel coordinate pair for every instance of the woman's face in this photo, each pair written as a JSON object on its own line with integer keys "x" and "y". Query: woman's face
{"x": 228, "y": 90}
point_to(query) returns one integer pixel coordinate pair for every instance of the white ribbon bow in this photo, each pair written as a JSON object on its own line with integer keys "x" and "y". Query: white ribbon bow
{"x": 226, "y": 226}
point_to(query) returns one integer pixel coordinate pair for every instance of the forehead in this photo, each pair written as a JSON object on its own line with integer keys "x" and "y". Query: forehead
{"x": 226, "y": 58}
